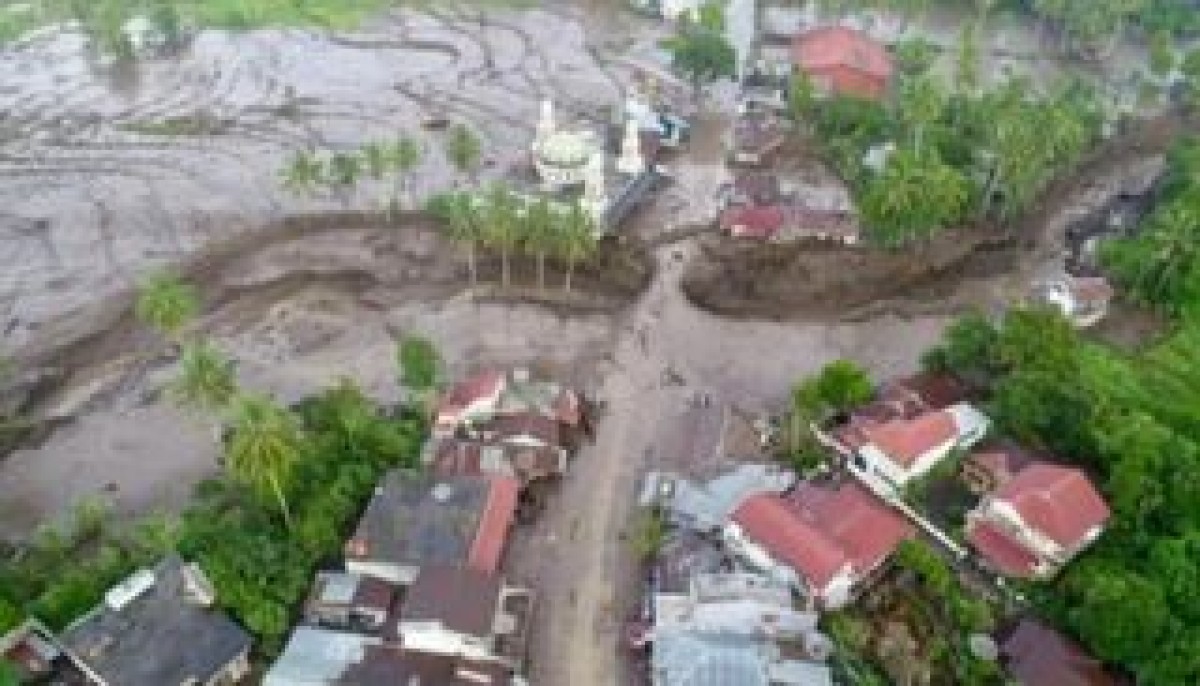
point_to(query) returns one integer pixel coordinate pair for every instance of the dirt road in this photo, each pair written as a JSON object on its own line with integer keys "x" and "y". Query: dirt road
{"x": 578, "y": 555}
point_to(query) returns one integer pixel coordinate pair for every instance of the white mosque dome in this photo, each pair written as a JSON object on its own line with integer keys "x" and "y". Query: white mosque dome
{"x": 566, "y": 149}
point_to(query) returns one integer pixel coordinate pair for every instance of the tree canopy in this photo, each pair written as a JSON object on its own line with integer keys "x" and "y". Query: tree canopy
{"x": 166, "y": 303}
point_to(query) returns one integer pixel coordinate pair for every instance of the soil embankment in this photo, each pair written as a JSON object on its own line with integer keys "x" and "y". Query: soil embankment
{"x": 979, "y": 265}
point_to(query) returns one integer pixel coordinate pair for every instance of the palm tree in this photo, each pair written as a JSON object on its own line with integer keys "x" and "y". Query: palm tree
{"x": 264, "y": 445}
{"x": 344, "y": 171}
{"x": 405, "y": 154}
{"x": 538, "y": 238}
{"x": 166, "y": 303}
{"x": 463, "y": 149}
{"x": 206, "y": 378}
{"x": 1172, "y": 235}
{"x": 303, "y": 172}
{"x": 576, "y": 240}
{"x": 502, "y": 226}
{"x": 463, "y": 222}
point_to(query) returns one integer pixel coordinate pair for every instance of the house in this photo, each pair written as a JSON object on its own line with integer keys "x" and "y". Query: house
{"x": 448, "y": 458}
{"x": 1036, "y": 522}
{"x": 755, "y": 137}
{"x": 1033, "y": 654}
{"x": 169, "y": 607}
{"x": 493, "y": 394}
{"x": 737, "y": 625}
{"x": 825, "y": 541}
{"x": 1082, "y": 300}
{"x": 349, "y": 602}
{"x": 889, "y": 454}
{"x": 682, "y": 658}
{"x": 473, "y": 398}
{"x": 415, "y": 520}
{"x": 321, "y": 657}
{"x": 32, "y": 650}
{"x": 789, "y": 220}
{"x": 706, "y": 507}
{"x": 465, "y": 613}
{"x": 987, "y": 469}
{"x": 843, "y": 61}
{"x": 733, "y": 603}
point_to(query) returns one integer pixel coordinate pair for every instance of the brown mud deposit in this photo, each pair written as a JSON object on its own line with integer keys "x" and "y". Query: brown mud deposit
{"x": 981, "y": 265}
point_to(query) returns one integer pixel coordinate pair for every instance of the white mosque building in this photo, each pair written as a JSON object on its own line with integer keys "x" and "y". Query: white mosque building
{"x": 573, "y": 164}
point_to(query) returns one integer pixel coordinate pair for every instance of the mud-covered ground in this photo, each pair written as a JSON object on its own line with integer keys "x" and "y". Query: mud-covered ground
{"x": 301, "y": 291}
{"x": 982, "y": 266}
{"x": 91, "y": 200}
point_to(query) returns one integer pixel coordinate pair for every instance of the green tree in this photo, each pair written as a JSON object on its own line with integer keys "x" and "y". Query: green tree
{"x": 206, "y": 380}
{"x": 463, "y": 149}
{"x": 375, "y": 159}
{"x": 344, "y": 170}
{"x": 966, "y": 63}
{"x": 539, "y": 235}
{"x": 420, "y": 366}
{"x": 842, "y": 385}
{"x": 576, "y": 240}
{"x": 303, "y": 172}
{"x": 502, "y": 226}
{"x": 464, "y": 223}
{"x": 922, "y": 103}
{"x": 166, "y": 304}
{"x": 1161, "y": 266}
{"x": 405, "y": 155}
{"x": 702, "y": 55}
{"x": 915, "y": 196}
{"x": 9, "y": 676}
{"x": 265, "y": 443}
{"x": 1190, "y": 67}
{"x": 1162, "y": 53}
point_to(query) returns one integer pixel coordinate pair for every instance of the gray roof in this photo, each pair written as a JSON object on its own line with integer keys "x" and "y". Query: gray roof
{"x": 414, "y": 519}
{"x": 683, "y": 658}
{"x": 686, "y": 659}
{"x": 316, "y": 657}
{"x": 150, "y": 632}
{"x": 708, "y": 506}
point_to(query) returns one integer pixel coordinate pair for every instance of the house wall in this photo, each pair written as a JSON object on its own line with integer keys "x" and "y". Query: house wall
{"x": 878, "y": 464}
{"x": 402, "y": 575}
{"x": 1004, "y": 515}
{"x": 835, "y": 594}
{"x": 432, "y": 637}
{"x": 757, "y": 557}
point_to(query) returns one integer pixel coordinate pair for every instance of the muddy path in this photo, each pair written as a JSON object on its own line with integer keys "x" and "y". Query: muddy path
{"x": 983, "y": 265}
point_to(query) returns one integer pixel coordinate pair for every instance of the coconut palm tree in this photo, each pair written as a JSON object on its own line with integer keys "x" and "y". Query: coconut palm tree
{"x": 502, "y": 226}
{"x": 576, "y": 240}
{"x": 264, "y": 445}
{"x": 166, "y": 303}
{"x": 206, "y": 378}
{"x": 538, "y": 235}
{"x": 303, "y": 172}
{"x": 463, "y": 222}
{"x": 405, "y": 154}
{"x": 463, "y": 149}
